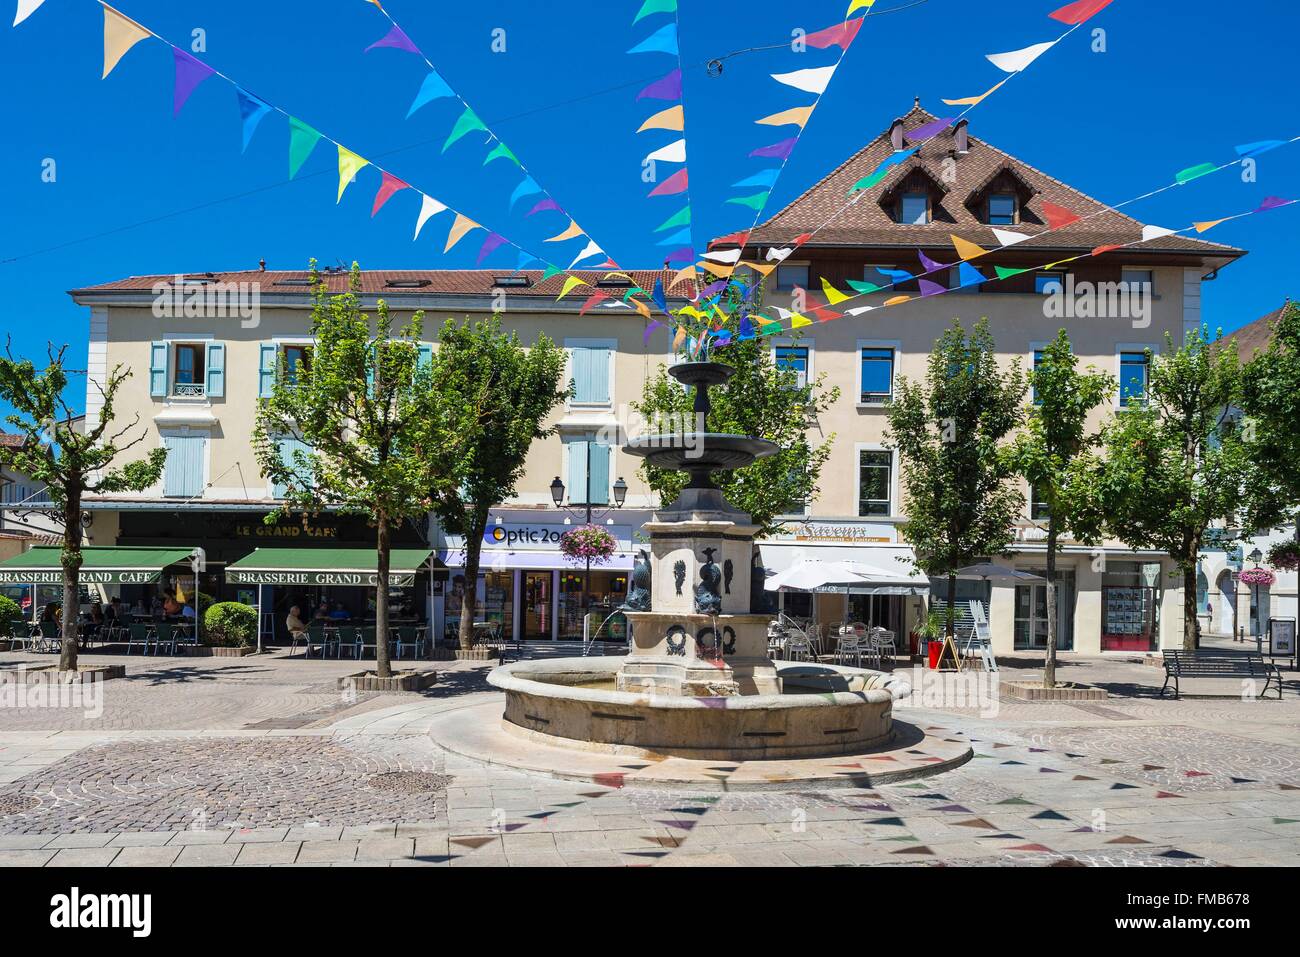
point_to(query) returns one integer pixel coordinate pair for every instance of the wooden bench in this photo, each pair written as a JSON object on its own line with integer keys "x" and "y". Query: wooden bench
{"x": 1211, "y": 664}
{"x": 533, "y": 650}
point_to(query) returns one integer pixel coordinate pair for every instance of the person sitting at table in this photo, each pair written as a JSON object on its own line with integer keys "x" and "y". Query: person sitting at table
{"x": 140, "y": 609}
{"x": 296, "y": 627}
{"x": 340, "y": 613}
{"x": 187, "y": 611}
{"x": 156, "y": 607}
{"x": 113, "y": 613}
{"x": 322, "y": 611}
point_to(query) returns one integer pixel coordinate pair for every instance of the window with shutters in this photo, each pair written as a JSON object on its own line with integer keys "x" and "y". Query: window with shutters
{"x": 591, "y": 372}
{"x": 589, "y": 469}
{"x": 187, "y": 370}
{"x": 292, "y": 451}
{"x": 186, "y": 467}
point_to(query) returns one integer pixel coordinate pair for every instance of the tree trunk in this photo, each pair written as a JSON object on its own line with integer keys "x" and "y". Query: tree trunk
{"x": 71, "y": 561}
{"x": 469, "y": 602}
{"x": 1191, "y": 626}
{"x": 383, "y": 667}
{"x": 1049, "y": 660}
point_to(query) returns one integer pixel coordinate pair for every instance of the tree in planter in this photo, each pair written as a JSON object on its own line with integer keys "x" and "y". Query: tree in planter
{"x": 69, "y": 463}
{"x": 376, "y": 418}
{"x": 514, "y": 390}
{"x": 1047, "y": 453}
{"x": 1270, "y": 398}
{"x": 763, "y": 400}
{"x": 1176, "y": 462}
{"x": 958, "y": 469}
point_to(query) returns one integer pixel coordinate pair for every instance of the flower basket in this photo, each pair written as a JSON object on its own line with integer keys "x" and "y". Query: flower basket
{"x": 588, "y": 542}
{"x": 1285, "y": 555}
{"x": 1257, "y": 576}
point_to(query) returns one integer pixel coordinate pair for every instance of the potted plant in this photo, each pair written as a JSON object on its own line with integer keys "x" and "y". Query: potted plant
{"x": 588, "y": 543}
{"x": 1285, "y": 555}
{"x": 1258, "y": 576}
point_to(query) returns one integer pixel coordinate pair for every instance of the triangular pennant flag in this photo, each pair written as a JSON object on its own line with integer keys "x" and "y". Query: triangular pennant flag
{"x": 428, "y": 207}
{"x": 1273, "y": 202}
{"x": 570, "y": 283}
{"x": 1059, "y": 216}
{"x": 966, "y": 249}
{"x": 858, "y": 310}
{"x": 684, "y": 255}
{"x": 462, "y": 225}
{"x": 1080, "y": 12}
{"x": 433, "y": 88}
{"x": 388, "y": 185}
{"x": 673, "y": 118}
{"x": 928, "y": 131}
{"x": 687, "y": 272}
{"x": 676, "y": 239}
{"x": 1005, "y": 272}
{"x": 929, "y": 288}
{"x": 302, "y": 140}
{"x": 665, "y": 88}
{"x": 658, "y": 296}
{"x": 765, "y": 177}
{"x": 895, "y": 275}
{"x": 1254, "y": 149}
{"x": 467, "y": 123}
{"x": 755, "y": 202}
{"x": 968, "y": 275}
{"x": 251, "y": 111}
{"x": 590, "y": 250}
{"x": 595, "y": 298}
{"x": 833, "y": 295}
{"x": 528, "y": 187}
{"x": 679, "y": 338}
{"x": 501, "y": 152}
{"x": 761, "y": 268}
{"x": 798, "y": 321}
{"x": 858, "y": 5}
{"x": 25, "y": 9}
{"x": 717, "y": 270}
{"x": 677, "y": 183}
{"x": 573, "y": 230}
{"x": 663, "y": 40}
{"x": 349, "y": 165}
{"x": 897, "y": 300}
{"x": 863, "y": 288}
{"x": 120, "y": 34}
{"x": 189, "y": 74}
{"x": 1156, "y": 232}
{"x": 543, "y": 206}
{"x": 654, "y": 6}
{"x": 674, "y": 152}
{"x": 550, "y": 271}
{"x": 397, "y": 39}
{"x": 1109, "y": 247}
{"x": 1006, "y": 237}
{"x": 649, "y": 331}
{"x": 869, "y": 180}
{"x": 1195, "y": 172}
{"x": 1018, "y": 60}
{"x": 680, "y": 218}
{"x": 641, "y": 308}
{"x": 493, "y": 242}
{"x": 812, "y": 80}
{"x": 929, "y": 265}
{"x": 975, "y": 100}
{"x": 778, "y": 254}
{"x": 797, "y": 116}
{"x": 731, "y": 256}
{"x": 781, "y": 150}
{"x": 840, "y": 35}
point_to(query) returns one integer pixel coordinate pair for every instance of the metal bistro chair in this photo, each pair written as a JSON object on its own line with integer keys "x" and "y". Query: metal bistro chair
{"x": 317, "y": 637}
{"x": 143, "y": 635}
{"x": 169, "y": 636}
{"x": 51, "y": 637}
{"x": 19, "y": 631}
{"x": 366, "y": 638}
{"x": 347, "y": 636}
{"x": 798, "y": 647}
{"x": 404, "y": 636}
{"x": 883, "y": 645}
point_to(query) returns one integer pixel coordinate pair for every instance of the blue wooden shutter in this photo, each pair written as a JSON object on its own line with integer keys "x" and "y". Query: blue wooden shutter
{"x": 590, "y": 374}
{"x": 216, "y": 385}
{"x": 287, "y": 447}
{"x": 266, "y": 370}
{"x": 577, "y": 472}
{"x": 598, "y": 455}
{"x": 158, "y": 369}
{"x": 183, "y": 475}
{"x": 426, "y": 355}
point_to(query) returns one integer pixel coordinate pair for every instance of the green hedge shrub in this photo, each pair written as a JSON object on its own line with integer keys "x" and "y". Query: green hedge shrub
{"x": 231, "y": 624}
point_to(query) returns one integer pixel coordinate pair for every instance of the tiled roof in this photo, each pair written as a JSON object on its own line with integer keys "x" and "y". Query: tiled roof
{"x": 1255, "y": 336}
{"x": 464, "y": 282}
{"x": 12, "y": 441}
{"x": 866, "y": 223}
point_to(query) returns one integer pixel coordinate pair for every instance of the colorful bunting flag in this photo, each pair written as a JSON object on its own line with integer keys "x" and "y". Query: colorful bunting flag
{"x": 251, "y": 111}
{"x": 755, "y": 202}
{"x": 930, "y": 288}
{"x": 570, "y": 283}
{"x": 781, "y": 150}
{"x": 966, "y": 249}
{"x": 462, "y": 225}
{"x": 731, "y": 256}
{"x": 649, "y": 331}
{"x": 388, "y": 185}
{"x": 25, "y": 9}
{"x": 765, "y": 177}
{"x": 120, "y": 34}
{"x": 428, "y": 207}
{"x": 673, "y": 118}
{"x": 433, "y": 88}
{"x": 302, "y": 140}
{"x": 667, "y": 88}
{"x": 593, "y": 299}
{"x": 674, "y": 152}
{"x": 501, "y": 152}
{"x": 684, "y": 255}
{"x": 1006, "y": 237}
{"x": 680, "y": 218}
{"x": 864, "y": 288}
{"x": 897, "y": 300}
{"x": 1156, "y": 232}
{"x": 528, "y": 187}
{"x": 929, "y": 130}
{"x": 1005, "y": 272}
{"x": 1195, "y": 172}
{"x": 663, "y": 40}
{"x": 1273, "y": 202}
{"x": 651, "y": 7}
{"x": 658, "y": 296}
{"x": 349, "y": 165}
{"x": 833, "y": 295}
{"x": 190, "y": 72}
{"x": 1058, "y": 216}
{"x": 550, "y": 271}
{"x": 858, "y": 5}
{"x": 975, "y": 100}
{"x": 467, "y": 123}
{"x": 812, "y": 80}
{"x": 929, "y": 265}
{"x": 674, "y": 184}
{"x": 543, "y": 206}
{"x": 572, "y": 231}
{"x": 1018, "y": 60}
{"x": 493, "y": 242}
{"x": 840, "y": 35}
{"x": 1080, "y": 12}
{"x": 796, "y": 116}
{"x": 676, "y": 239}
{"x": 968, "y": 275}
{"x": 590, "y": 250}
{"x": 397, "y": 40}
{"x": 1203, "y": 227}
{"x": 1254, "y": 149}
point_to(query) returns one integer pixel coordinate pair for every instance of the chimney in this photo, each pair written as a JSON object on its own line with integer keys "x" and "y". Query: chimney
{"x": 896, "y": 134}
{"x": 261, "y": 265}
{"x": 961, "y": 137}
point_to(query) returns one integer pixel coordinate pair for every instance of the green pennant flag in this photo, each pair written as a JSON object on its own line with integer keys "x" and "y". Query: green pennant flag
{"x": 1006, "y": 273}
{"x": 655, "y": 6}
{"x": 755, "y": 202}
{"x": 769, "y": 328}
{"x": 863, "y": 288}
{"x": 682, "y": 218}
{"x": 869, "y": 181}
{"x": 467, "y": 123}
{"x": 634, "y": 291}
{"x": 1195, "y": 172}
{"x": 302, "y": 140}
{"x": 501, "y": 152}
{"x": 550, "y": 271}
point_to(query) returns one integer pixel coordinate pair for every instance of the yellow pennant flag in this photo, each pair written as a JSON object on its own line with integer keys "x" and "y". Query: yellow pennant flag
{"x": 349, "y": 165}
{"x": 459, "y": 228}
{"x": 641, "y": 307}
{"x": 966, "y": 249}
{"x": 797, "y": 321}
{"x": 833, "y": 295}
{"x": 120, "y": 34}
{"x": 690, "y": 311}
{"x": 570, "y": 283}
{"x": 687, "y": 272}
{"x": 1202, "y": 227}
{"x": 673, "y": 118}
{"x": 762, "y": 269}
{"x": 859, "y": 5}
{"x": 896, "y": 300}
{"x": 570, "y": 233}
{"x": 797, "y": 116}
{"x": 974, "y": 100}
{"x": 719, "y": 270}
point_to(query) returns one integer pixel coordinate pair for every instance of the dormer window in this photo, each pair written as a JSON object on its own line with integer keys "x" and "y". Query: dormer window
{"x": 1002, "y": 198}
{"x": 1002, "y": 209}
{"x": 914, "y": 209}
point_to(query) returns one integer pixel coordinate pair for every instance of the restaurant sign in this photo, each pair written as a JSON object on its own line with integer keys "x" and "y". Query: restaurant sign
{"x": 846, "y": 533}
{"x": 239, "y": 576}
{"x": 54, "y": 576}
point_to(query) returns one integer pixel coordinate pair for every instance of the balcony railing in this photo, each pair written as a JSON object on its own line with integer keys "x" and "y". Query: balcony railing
{"x": 188, "y": 390}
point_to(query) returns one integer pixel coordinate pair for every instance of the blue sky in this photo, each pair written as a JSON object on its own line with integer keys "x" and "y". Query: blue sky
{"x": 1179, "y": 84}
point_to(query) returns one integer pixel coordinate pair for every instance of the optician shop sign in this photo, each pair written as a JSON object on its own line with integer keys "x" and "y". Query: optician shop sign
{"x": 534, "y": 537}
{"x": 236, "y": 576}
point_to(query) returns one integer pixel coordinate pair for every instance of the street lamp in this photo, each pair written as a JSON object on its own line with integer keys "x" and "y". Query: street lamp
{"x": 1256, "y": 556}
{"x": 557, "y": 495}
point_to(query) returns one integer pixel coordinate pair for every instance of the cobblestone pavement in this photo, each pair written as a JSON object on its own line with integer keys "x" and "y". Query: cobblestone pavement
{"x": 284, "y": 771}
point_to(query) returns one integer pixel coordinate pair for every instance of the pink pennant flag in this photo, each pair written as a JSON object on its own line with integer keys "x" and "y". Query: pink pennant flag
{"x": 396, "y": 39}
{"x": 594, "y": 299}
{"x": 189, "y": 74}
{"x": 544, "y": 205}
{"x": 674, "y": 184}
{"x": 389, "y": 185}
{"x": 840, "y": 35}
{"x": 493, "y": 242}
{"x": 1080, "y": 12}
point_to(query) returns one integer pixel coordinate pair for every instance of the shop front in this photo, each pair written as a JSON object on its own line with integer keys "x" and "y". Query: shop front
{"x": 527, "y": 589}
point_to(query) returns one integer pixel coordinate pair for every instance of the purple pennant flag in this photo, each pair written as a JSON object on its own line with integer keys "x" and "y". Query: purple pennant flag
{"x": 779, "y": 150}
{"x": 396, "y": 39}
{"x": 929, "y": 288}
{"x": 928, "y": 130}
{"x": 713, "y": 287}
{"x": 684, "y": 255}
{"x": 649, "y": 330}
{"x": 494, "y": 241}
{"x": 669, "y": 88}
{"x": 189, "y": 74}
{"x": 929, "y": 265}
{"x": 1273, "y": 202}
{"x": 543, "y": 206}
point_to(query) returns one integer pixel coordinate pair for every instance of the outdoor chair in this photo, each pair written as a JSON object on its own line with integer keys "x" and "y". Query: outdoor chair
{"x": 406, "y": 636}
{"x": 798, "y": 647}
{"x": 883, "y": 645}
{"x": 51, "y": 637}
{"x": 19, "y": 631}
{"x": 849, "y": 650}
{"x": 316, "y": 637}
{"x": 366, "y": 638}
{"x": 141, "y": 635}
{"x": 168, "y": 637}
{"x": 348, "y": 636}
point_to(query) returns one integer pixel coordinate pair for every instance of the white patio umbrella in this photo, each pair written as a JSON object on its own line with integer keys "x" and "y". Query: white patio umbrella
{"x": 998, "y": 574}
{"x": 810, "y": 574}
{"x": 884, "y": 581}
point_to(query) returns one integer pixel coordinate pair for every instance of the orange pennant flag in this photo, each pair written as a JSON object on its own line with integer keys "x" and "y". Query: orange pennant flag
{"x": 722, "y": 272}
{"x": 680, "y": 337}
{"x": 120, "y": 34}
{"x": 459, "y": 228}
{"x": 683, "y": 274}
{"x": 673, "y": 118}
{"x": 573, "y": 230}
{"x": 966, "y": 249}
{"x": 974, "y": 100}
{"x": 896, "y": 300}
{"x": 798, "y": 116}
{"x": 762, "y": 269}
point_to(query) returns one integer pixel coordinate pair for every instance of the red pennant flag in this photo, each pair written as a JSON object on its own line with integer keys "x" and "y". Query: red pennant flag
{"x": 802, "y": 238}
{"x": 1106, "y": 249}
{"x": 821, "y": 314}
{"x": 593, "y": 300}
{"x": 840, "y": 35}
{"x": 389, "y": 185}
{"x": 731, "y": 239}
{"x": 673, "y": 184}
{"x": 1080, "y": 12}
{"x": 1058, "y": 216}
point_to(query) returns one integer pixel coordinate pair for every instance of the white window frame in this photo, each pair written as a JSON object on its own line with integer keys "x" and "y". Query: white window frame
{"x": 858, "y": 449}
{"x": 1120, "y": 349}
{"x": 571, "y": 343}
{"x": 174, "y": 339}
{"x": 187, "y": 431}
{"x": 897, "y": 346}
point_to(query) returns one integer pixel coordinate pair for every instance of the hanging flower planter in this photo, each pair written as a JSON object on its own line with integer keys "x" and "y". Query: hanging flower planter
{"x": 1257, "y": 576}
{"x": 588, "y": 542}
{"x": 1285, "y": 555}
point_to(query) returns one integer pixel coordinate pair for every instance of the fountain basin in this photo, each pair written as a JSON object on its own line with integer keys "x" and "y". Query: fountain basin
{"x": 826, "y": 710}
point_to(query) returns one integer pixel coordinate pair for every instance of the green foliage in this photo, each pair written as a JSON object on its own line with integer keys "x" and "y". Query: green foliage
{"x": 10, "y": 610}
{"x": 1270, "y": 397}
{"x": 760, "y": 400}
{"x": 231, "y": 624}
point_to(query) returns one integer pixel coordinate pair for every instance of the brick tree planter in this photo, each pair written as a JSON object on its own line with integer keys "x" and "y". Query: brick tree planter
{"x": 215, "y": 651}
{"x": 403, "y": 681}
{"x": 50, "y": 674}
{"x": 1064, "y": 691}
{"x": 457, "y": 654}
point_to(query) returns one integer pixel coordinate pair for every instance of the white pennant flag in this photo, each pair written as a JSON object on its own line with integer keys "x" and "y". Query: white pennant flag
{"x": 428, "y": 207}
{"x": 591, "y": 250}
{"x": 1006, "y": 237}
{"x": 778, "y": 255}
{"x": 1156, "y": 232}
{"x": 672, "y": 153}
{"x": 814, "y": 80}
{"x": 731, "y": 256}
{"x": 782, "y": 313}
{"x": 25, "y": 9}
{"x": 858, "y": 310}
{"x": 1017, "y": 60}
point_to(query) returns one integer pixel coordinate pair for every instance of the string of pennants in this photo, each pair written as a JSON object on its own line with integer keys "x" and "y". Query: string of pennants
{"x": 122, "y": 34}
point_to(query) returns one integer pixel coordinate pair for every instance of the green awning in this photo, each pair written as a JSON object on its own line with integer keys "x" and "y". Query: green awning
{"x": 326, "y": 566}
{"x": 101, "y": 564}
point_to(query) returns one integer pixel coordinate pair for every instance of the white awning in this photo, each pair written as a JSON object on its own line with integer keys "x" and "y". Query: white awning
{"x": 887, "y": 568}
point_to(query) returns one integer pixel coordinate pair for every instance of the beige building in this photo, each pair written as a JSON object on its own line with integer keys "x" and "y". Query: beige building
{"x": 199, "y": 373}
